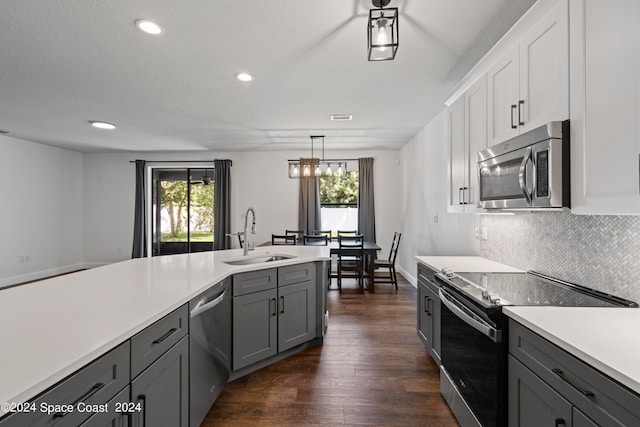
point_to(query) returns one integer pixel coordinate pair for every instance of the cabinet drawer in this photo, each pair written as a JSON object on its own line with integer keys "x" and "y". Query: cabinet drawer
{"x": 255, "y": 281}
{"x": 599, "y": 397}
{"x": 93, "y": 384}
{"x": 150, "y": 343}
{"x": 296, "y": 274}
{"x": 111, "y": 417}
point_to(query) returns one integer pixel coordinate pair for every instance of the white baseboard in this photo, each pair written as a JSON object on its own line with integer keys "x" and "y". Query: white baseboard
{"x": 412, "y": 279}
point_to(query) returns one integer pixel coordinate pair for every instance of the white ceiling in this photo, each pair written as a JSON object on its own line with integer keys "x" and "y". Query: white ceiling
{"x": 64, "y": 63}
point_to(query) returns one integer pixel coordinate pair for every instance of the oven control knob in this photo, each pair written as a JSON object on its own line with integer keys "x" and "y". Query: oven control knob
{"x": 494, "y": 299}
{"x": 448, "y": 272}
{"x": 485, "y": 294}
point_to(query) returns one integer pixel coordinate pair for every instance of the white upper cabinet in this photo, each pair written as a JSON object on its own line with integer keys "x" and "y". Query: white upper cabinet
{"x": 503, "y": 93}
{"x": 605, "y": 106}
{"x": 456, "y": 148}
{"x": 466, "y": 134}
{"x": 529, "y": 86}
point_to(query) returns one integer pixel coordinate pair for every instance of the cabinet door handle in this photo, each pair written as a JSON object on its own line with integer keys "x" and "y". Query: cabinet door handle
{"x": 143, "y": 398}
{"x": 275, "y": 308}
{"x": 460, "y": 196}
{"x": 513, "y": 109}
{"x": 430, "y": 308}
{"x": 520, "y": 104}
{"x": 464, "y": 195}
{"x": 93, "y": 390}
{"x": 560, "y": 422}
{"x": 281, "y": 305}
{"x": 426, "y": 304}
{"x": 165, "y": 336}
{"x": 562, "y": 376}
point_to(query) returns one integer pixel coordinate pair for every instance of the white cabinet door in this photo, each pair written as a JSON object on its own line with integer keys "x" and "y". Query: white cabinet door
{"x": 544, "y": 71}
{"x": 529, "y": 86}
{"x": 502, "y": 98}
{"x": 457, "y": 156}
{"x": 605, "y": 106}
{"x": 466, "y": 134}
{"x": 475, "y": 134}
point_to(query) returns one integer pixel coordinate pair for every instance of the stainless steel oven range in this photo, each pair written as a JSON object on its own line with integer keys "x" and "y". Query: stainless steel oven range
{"x": 473, "y": 371}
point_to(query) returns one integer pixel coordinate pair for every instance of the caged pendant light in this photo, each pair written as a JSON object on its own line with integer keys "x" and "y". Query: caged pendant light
{"x": 382, "y": 32}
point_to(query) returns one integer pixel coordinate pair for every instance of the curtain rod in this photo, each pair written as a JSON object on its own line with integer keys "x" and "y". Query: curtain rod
{"x": 180, "y": 161}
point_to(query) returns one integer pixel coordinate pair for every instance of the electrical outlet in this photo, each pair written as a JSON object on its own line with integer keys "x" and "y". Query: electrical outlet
{"x": 484, "y": 233}
{"x": 27, "y": 258}
{"x": 435, "y": 219}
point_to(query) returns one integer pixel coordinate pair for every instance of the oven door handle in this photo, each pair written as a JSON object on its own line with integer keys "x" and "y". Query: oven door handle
{"x": 468, "y": 316}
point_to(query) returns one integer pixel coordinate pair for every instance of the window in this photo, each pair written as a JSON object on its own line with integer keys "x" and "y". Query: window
{"x": 339, "y": 201}
{"x": 182, "y": 210}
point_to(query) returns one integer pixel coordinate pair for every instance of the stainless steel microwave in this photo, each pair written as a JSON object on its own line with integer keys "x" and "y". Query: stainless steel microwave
{"x": 528, "y": 172}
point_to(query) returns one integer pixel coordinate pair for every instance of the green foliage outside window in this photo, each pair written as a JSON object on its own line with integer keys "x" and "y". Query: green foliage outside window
{"x": 339, "y": 190}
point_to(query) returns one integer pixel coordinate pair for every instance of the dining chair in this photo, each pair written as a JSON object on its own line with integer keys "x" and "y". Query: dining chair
{"x": 298, "y": 233}
{"x": 283, "y": 239}
{"x": 351, "y": 259}
{"x": 389, "y": 264}
{"x": 315, "y": 239}
{"x": 347, "y": 233}
{"x": 323, "y": 233}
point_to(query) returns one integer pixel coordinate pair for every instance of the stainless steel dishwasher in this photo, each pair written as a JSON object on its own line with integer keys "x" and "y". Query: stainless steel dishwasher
{"x": 209, "y": 348}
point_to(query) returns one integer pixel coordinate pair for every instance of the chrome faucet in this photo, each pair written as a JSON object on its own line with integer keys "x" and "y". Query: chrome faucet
{"x": 245, "y": 247}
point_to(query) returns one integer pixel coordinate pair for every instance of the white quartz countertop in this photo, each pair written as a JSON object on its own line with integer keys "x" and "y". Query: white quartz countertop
{"x": 466, "y": 263}
{"x": 605, "y": 338}
{"x": 51, "y": 328}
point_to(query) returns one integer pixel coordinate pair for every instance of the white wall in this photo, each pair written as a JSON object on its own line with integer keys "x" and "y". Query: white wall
{"x": 259, "y": 179}
{"x": 425, "y": 197}
{"x": 41, "y": 212}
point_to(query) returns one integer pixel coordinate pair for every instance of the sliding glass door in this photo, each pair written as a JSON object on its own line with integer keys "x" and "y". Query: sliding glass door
{"x": 182, "y": 214}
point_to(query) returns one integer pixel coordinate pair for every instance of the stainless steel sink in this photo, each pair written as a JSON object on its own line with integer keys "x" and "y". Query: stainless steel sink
{"x": 258, "y": 259}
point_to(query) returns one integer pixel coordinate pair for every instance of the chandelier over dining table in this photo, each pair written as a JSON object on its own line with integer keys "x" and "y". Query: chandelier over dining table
{"x": 314, "y": 166}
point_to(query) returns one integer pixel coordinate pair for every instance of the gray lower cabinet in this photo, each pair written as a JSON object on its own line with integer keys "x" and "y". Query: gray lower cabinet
{"x": 549, "y": 386}
{"x": 534, "y": 403}
{"x": 255, "y": 327}
{"x": 161, "y": 392}
{"x": 278, "y": 317}
{"x": 296, "y": 314}
{"x": 94, "y": 384}
{"x": 428, "y": 311}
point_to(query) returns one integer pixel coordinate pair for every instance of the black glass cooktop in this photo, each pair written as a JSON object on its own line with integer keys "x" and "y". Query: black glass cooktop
{"x": 533, "y": 289}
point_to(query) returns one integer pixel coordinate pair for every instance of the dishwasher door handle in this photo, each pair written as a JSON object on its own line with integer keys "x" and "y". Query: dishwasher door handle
{"x": 201, "y": 307}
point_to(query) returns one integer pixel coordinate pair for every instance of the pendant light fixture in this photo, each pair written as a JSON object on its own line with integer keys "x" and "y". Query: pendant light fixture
{"x": 382, "y": 31}
{"x": 316, "y": 166}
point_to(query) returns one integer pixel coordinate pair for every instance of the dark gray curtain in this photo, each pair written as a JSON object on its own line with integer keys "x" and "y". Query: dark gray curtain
{"x": 221, "y": 204}
{"x": 366, "y": 205}
{"x": 309, "y": 206}
{"x": 139, "y": 217}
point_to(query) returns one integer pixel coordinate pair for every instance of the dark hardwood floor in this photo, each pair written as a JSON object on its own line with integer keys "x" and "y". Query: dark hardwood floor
{"x": 372, "y": 370}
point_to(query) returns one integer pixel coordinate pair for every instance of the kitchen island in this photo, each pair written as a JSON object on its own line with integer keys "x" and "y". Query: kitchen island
{"x": 53, "y": 327}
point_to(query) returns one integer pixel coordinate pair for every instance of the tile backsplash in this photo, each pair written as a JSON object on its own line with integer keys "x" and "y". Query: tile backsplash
{"x": 601, "y": 252}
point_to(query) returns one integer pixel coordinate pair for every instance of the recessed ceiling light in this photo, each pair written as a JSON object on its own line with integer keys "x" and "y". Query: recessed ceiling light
{"x": 103, "y": 125}
{"x": 244, "y": 77}
{"x": 341, "y": 117}
{"x": 149, "y": 27}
